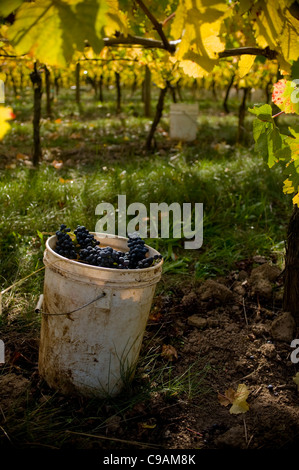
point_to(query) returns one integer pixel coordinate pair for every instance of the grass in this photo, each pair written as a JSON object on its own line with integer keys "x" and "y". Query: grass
{"x": 245, "y": 214}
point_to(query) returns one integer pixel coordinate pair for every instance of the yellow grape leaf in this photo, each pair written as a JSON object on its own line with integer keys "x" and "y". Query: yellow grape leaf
{"x": 288, "y": 187}
{"x": 245, "y": 63}
{"x": 276, "y": 28}
{"x": 53, "y": 30}
{"x": 240, "y": 404}
{"x": 296, "y": 199}
{"x": 198, "y": 24}
{"x": 289, "y": 39}
{"x": 296, "y": 380}
{"x": 5, "y": 115}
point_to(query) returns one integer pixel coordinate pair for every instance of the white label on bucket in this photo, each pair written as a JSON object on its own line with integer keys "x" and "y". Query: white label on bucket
{"x": 2, "y": 352}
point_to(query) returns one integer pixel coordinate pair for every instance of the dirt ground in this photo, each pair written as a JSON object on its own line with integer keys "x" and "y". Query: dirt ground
{"x": 233, "y": 331}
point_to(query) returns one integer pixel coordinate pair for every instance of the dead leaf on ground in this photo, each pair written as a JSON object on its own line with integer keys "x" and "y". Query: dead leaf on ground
{"x": 57, "y": 164}
{"x": 169, "y": 352}
{"x": 236, "y": 398}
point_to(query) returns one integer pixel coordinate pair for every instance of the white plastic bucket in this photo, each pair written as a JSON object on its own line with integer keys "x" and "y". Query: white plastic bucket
{"x": 183, "y": 121}
{"x": 94, "y": 350}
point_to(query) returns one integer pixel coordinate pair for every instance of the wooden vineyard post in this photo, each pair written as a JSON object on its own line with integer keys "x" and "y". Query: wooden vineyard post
{"x": 158, "y": 115}
{"x": 36, "y": 80}
{"x": 78, "y": 83}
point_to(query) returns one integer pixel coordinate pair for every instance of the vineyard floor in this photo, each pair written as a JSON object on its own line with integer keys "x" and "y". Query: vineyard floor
{"x": 217, "y": 343}
{"x": 216, "y": 318}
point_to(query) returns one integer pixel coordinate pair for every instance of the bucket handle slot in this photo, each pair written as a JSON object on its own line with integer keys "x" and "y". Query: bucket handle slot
{"x": 38, "y": 310}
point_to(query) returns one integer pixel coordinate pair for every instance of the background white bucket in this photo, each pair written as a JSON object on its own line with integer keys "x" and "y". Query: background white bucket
{"x": 183, "y": 121}
{"x": 93, "y": 350}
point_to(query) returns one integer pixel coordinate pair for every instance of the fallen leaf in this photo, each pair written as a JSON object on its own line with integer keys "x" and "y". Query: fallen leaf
{"x": 236, "y": 398}
{"x": 57, "y": 164}
{"x": 155, "y": 316}
{"x": 169, "y": 352}
{"x": 148, "y": 426}
{"x": 240, "y": 404}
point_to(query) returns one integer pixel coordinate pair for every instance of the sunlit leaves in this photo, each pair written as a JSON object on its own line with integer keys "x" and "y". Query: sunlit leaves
{"x": 198, "y": 24}
{"x": 276, "y": 28}
{"x": 53, "y": 30}
{"x": 7, "y": 6}
{"x": 245, "y": 64}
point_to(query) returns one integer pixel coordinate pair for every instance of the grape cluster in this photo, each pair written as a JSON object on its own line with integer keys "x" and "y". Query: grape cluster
{"x": 105, "y": 257}
{"x": 86, "y": 249}
{"x": 64, "y": 244}
{"x": 84, "y": 238}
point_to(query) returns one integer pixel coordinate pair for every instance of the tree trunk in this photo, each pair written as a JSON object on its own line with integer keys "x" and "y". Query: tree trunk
{"x": 158, "y": 115}
{"x": 291, "y": 273}
{"x": 147, "y": 92}
{"x": 242, "y": 112}
{"x": 78, "y": 83}
{"x": 118, "y": 92}
{"x": 225, "y": 107}
{"x": 37, "y": 87}
{"x": 48, "y": 92}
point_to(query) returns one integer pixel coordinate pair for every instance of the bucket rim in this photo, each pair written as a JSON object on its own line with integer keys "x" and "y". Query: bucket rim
{"x": 108, "y": 236}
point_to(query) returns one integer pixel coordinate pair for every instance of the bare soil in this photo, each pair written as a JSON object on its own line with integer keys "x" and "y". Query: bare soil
{"x": 231, "y": 331}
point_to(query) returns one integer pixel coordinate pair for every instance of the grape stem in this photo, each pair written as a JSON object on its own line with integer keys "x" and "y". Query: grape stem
{"x": 278, "y": 114}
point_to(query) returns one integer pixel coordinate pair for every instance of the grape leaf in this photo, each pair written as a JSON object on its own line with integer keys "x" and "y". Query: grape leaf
{"x": 240, "y": 404}
{"x": 286, "y": 95}
{"x": 263, "y": 112}
{"x": 244, "y": 65}
{"x": 198, "y": 23}
{"x": 236, "y": 398}
{"x": 268, "y": 140}
{"x": 53, "y": 30}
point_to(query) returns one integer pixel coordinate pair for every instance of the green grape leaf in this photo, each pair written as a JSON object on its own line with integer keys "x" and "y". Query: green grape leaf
{"x": 268, "y": 140}
{"x": 263, "y": 112}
